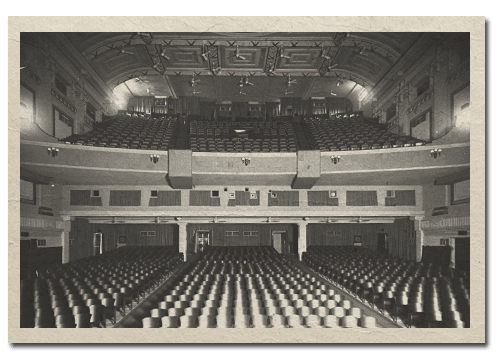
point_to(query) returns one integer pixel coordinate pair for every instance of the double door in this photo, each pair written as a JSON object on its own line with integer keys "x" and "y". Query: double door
{"x": 202, "y": 240}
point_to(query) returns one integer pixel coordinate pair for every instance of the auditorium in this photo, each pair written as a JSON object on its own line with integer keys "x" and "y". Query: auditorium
{"x": 244, "y": 180}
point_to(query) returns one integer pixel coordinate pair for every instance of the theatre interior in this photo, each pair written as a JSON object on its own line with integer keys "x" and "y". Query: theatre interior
{"x": 244, "y": 180}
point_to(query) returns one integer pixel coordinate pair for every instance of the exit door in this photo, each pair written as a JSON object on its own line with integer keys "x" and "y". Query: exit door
{"x": 97, "y": 244}
{"x": 382, "y": 243}
{"x": 279, "y": 242}
{"x": 202, "y": 240}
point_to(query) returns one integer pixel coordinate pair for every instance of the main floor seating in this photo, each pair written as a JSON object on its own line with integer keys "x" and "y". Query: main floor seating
{"x": 130, "y": 132}
{"x": 354, "y": 132}
{"x": 421, "y": 295}
{"x": 252, "y": 287}
{"x": 89, "y": 292}
{"x": 220, "y": 136}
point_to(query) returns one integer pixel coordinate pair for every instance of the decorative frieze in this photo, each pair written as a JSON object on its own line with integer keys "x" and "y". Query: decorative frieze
{"x": 420, "y": 100}
{"x": 451, "y": 222}
{"x": 36, "y": 223}
{"x": 63, "y": 100}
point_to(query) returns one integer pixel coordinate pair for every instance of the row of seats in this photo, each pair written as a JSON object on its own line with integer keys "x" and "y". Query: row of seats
{"x": 354, "y": 133}
{"x": 421, "y": 295}
{"x": 252, "y": 287}
{"x": 88, "y": 292}
{"x": 260, "y": 136}
{"x": 130, "y": 132}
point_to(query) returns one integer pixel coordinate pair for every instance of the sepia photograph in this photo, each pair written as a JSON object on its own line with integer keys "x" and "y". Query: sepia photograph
{"x": 218, "y": 180}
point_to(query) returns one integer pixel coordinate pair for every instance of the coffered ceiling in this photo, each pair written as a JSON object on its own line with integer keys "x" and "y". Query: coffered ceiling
{"x": 138, "y": 64}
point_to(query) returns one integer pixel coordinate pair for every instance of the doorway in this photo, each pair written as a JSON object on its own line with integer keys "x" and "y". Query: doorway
{"x": 382, "y": 243}
{"x": 280, "y": 243}
{"x": 202, "y": 240}
{"x": 97, "y": 244}
{"x": 462, "y": 254}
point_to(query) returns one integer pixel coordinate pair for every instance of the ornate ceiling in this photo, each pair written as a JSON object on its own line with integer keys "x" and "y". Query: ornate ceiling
{"x": 138, "y": 64}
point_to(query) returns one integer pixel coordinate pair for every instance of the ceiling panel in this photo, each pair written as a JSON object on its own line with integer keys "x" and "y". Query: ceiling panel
{"x": 254, "y": 57}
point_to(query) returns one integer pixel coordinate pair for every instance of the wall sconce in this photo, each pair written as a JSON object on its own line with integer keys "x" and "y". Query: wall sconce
{"x": 436, "y": 152}
{"x": 335, "y": 159}
{"x": 246, "y": 160}
{"x": 154, "y": 158}
{"x": 53, "y": 151}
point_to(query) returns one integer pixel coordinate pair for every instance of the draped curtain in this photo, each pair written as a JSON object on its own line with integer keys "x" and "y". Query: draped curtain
{"x": 207, "y": 109}
{"x": 142, "y": 104}
{"x": 337, "y": 105}
{"x": 298, "y": 106}
{"x": 239, "y": 109}
{"x": 271, "y": 110}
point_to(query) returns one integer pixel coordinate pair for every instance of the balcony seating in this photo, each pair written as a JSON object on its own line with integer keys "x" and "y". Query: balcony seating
{"x": 261, "y": 136}
{"x": 354, "y": 132}
{"x": 131, "y": 133}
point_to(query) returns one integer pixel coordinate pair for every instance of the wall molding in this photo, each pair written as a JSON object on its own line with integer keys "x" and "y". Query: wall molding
{"x": 421, "y": 100}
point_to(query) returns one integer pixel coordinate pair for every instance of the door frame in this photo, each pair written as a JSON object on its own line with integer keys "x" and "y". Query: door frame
{"x": 196, "y": 238}
{"x": 278, "y": 232}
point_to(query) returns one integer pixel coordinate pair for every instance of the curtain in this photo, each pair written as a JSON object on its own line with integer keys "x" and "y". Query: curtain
{"x": 271, "y": 110}
{"x": 203, "y": 198}
{"x": 207, "y": 109}
{"x": 337, "y": 105}
{"x": 239, "y": 109}
{"x": 82, "y": 198}
{"x": 361, "y": 198}
{"x": 298, "y": 106}
{"x": 166, "y": 198}
{"x": 142, "y": 104}
{"x": 124, "y": 198}
{"x": 321, "y": 198}
{"x": 284, "y": 198}
{"x": 401, "y": 198}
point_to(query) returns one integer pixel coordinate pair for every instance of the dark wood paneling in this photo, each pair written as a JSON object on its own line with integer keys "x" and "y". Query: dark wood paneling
{"x": 399, "y": 234}
{"x": 361, "y": 198}
{"x": 82, "y": 198}
{"x": 401, "y": 198}
{"x": 242, "y": 198}
{"x": 284, "y": 198}
{"x": 82, "y": 232}
{"x": 166, "y": 198}
{"x": 203, "y": 198}
{"x": 217, "y": 234}
{"x": 125, "y": 198}
{"x": 321, "y": 198}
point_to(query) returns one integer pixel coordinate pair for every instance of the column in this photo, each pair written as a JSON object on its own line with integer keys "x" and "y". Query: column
{"x": 65, "y": 238}
{"x": 419, "y": 240}
{"x": 302, "y": 238}
{"x": 183, "y": 237}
